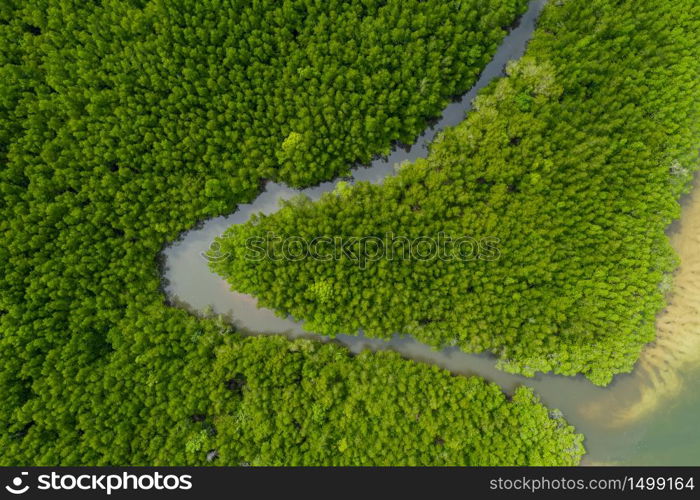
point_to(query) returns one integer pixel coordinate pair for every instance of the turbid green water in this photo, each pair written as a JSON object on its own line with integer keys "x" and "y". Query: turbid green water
{"x": 672, "y": 437}
{"x": 648, "y": 417}
{"x": 669, "y": 436}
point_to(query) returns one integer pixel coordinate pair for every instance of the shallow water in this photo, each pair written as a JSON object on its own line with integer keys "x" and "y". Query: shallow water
{"x": 647, "y": 417}
{"x": 190, "y": 284}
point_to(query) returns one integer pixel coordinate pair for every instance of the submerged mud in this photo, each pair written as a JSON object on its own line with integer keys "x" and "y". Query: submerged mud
{"x": 645, "y": 417}
{"x": 659, "y": 374}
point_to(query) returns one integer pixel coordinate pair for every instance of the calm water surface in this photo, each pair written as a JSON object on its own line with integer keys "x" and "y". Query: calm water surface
{"x": 647, "y": 417}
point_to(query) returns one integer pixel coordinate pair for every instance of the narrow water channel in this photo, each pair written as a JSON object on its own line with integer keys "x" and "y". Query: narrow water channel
{"x": 647, "y": 417}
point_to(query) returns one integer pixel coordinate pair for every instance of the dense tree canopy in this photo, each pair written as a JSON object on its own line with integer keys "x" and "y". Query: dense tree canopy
{"x": 573, "y": 164}
{"x": 314, "y": 404}
{"x": 122, "y": 123}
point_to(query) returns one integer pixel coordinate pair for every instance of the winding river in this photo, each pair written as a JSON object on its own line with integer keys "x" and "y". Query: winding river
{"x": 647, "y": 417}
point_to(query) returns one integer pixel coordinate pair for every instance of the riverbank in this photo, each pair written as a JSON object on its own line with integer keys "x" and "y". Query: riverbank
{"x": 659, "y": 374}
{"x": 621, "y": 422}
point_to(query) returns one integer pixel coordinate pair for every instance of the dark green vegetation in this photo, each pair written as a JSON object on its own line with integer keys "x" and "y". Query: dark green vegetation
{"x": 574, "y": 162}
{"x": 372, "y": 409}
{"x": 121, "y": 125}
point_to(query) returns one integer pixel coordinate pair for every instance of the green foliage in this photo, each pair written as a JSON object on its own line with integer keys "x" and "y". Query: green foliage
{"x": 574, "y": 163}
{"x": 123, "y": 123}
{"x": 321, "y": 291}
{"x": 314, "y": 404}
{"x": 195, "y": 444}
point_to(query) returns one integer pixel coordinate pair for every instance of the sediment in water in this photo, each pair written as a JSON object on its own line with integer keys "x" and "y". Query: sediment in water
{"x": 658, "y": 376}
